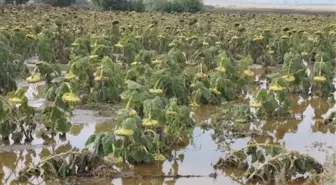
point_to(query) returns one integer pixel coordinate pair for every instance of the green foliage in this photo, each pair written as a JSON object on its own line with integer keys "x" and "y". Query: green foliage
{"x": 272, "y": 103}
{"x": 192, "y": 6}
{"x": 266, "y": 163}
{"x": 13, "y": 49}
{"x": 108, "y": 81}
{"x": 163, "y": 126}
{"x": 60, "y": 3}
{"x": 16, "y": 1}
{"x": 294, "y": 72}
{"x": 241, "y": 113}
{"x": 57, "y": 112}
{"x": 16, "y": 117}
{"x": 53, "y": 45}
{"x": 67, "y": 164}
{"x": 323, "y": 69}
{"x": 123, "y": 5}
{"x": 156, "y": 64}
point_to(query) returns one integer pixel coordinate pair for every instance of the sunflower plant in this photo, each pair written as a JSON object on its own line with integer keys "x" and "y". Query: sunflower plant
{"x": 108, "y": 81}
{"x": 61, "y": 98}
{"x": 323, "y": 77}
{"x": 271, "y": 102}
{"x": 294, "y": 72}
{"x": 178, "y": 124}
{"x": 200, "y": 95}
{"x": 17, "y": 117}
{"x": 53, "y": 45}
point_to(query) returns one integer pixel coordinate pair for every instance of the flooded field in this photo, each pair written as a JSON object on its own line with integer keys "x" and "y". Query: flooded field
{"x": 301, "y": 132}
{"x": 155, "y": 98}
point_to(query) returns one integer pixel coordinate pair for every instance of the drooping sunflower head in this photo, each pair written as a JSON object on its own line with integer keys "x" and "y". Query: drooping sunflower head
{"x": 148, "y": 122}
{"x": 321, "y": 79}
{"x": 119, "y": 45}
{"x": 276, "y": 88}
{"x": 34, "y": 78}
{"x": 15, "y": 100}
{"x": 157, "y": 61}
{"x": 215, "y": 91}
{"x": 248, "y": 72}
{"x": 101, "y": 78}
{"x": 201, "y": 75}
{"x": 32, "y": 37}
{"x": 93, "y": 57}
{"x": 220, "y": 69}
{"x": 159, "y": 157}
{"x": 132, "y": 112}
{"x": 284, "y": 37}
{"x": 289, "y": 78}
{"x": 156, "y": 91}
{"x": 135, "y": 63}
{"x": 75, "y": 44}
{"x": 241, "y": 120}
{"x": 256, "y": 104}
{"x": 70, "y": 98}
{"x": 123, "y": 132}
{"x": 115, "y": 22}
{"x": 69, "y": 76}
{"x": 270, "y": 51}
{"x": 235, "y": 37}
{"x": 304, "y": 53}
{"x": 194, "y": 104}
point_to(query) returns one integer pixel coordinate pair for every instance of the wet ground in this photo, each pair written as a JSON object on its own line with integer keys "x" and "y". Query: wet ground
{"x": 301, "y": 132}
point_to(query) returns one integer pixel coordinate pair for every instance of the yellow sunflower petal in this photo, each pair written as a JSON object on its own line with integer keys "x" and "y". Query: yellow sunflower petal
{"x": 69, "y": 76}
{"x": 241, "y": 120}
{"x": 215, "y": 91}
{"x": 220, "y": 69}
{"x": 248, "y": 72}
{"x": 132, "y": 112}
{"x": 284, "y": 37}
{"x": 320, "y": 78}
{"x": 119, "y": 45}
{"x": 34, "y": 78}
{"x": 15, "y": 100}
{"x": 70, "y": 98}
{"x": 159, "y": 157}
{"x": 147, "y": 122}
{"x": 32, "y": 37}
{"x": 194, "y": 104}
{"x": 304, "y": 53}
{"x": 289, "y": 78}
{"x": 155, "y": 62}
{"x": 256, "y": 104}
{"x": 156, "y": 91}
{"x": 124, "y": 132}
{"x": 276, "y": 88}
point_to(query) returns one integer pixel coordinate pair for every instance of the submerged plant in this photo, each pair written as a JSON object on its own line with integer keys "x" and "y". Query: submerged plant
{"x": 267, "y": 163}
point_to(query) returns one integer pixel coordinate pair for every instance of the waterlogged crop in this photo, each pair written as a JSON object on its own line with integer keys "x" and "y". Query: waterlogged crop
{"x": 266, "y": 162}
{"x": 160, "y": 67}
{"x": 17, "y": 119}
{"x": 145, "y": 140}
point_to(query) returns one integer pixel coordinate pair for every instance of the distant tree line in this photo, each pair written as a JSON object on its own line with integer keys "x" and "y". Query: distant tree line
{"x": 129, "y": 5}
{"x": 123, "y": 5}
{"x": 178, "y": 5}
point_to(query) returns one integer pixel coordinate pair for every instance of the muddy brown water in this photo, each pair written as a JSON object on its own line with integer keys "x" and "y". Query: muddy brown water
{"x": 301, "y": 132}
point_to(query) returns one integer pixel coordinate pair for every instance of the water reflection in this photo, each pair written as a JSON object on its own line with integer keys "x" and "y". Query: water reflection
{"x": 298, "y": 131}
